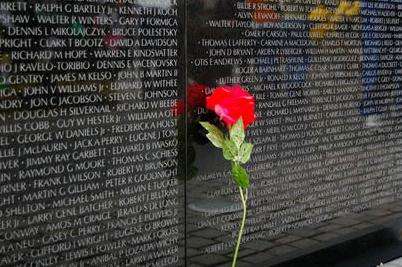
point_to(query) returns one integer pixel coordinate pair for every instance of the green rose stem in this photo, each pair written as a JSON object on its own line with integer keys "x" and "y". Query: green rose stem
{"x": 243, "y": 221}
{"x": 237, "y": 151}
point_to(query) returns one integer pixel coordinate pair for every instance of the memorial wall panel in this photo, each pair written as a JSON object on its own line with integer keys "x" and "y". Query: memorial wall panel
{"x": 89, "y": 141}
{"x": 103, "y": 160}
{"x": 326, "y": 76}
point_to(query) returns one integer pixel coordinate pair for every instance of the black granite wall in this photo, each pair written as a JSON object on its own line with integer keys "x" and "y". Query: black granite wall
{"x": 103, "y": 161}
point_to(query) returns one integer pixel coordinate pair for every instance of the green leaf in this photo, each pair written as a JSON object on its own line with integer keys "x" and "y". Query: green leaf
{"x": 216, "y": 140}
{"x": 210, "y": 127}
{"x": 230, "y": 150}
{"x": 237, "y": 134}
{"x": 245, "y": 152}
{"x": 214, "y": 134}
{"x": 240, "y": 175}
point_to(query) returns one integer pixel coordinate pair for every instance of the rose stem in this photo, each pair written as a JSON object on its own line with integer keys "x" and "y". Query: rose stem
{"x": 244, "y": 202}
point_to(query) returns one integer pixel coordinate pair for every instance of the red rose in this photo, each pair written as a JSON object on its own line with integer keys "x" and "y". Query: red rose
{"x": 195, "y": 99}
{"x": 179, "y": 108}
{"x": 231, "y": 103}
{"x": 196, "y": 95}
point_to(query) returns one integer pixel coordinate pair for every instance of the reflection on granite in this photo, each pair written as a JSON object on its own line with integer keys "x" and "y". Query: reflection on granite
{"x": 290, "y": 245}
{"x": 324, "y": 167}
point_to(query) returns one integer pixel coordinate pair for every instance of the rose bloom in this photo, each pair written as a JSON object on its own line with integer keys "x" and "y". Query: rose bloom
{"x": 195, "y": 99}
{"x": 231, "y": 103}
{"x": 179, "y": 108}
